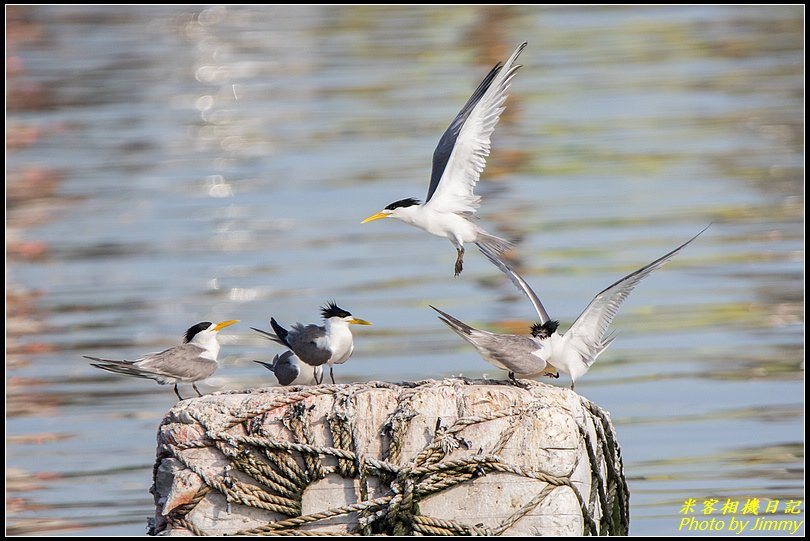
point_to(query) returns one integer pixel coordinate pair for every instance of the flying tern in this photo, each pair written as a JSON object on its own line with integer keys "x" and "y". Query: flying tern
{"x": 190, "y": 362}
{"x": 546, "y": 350}
{"x": 316, "y": 345}
{"x": 458, "y": 161}
{"x": 287, "y": 369}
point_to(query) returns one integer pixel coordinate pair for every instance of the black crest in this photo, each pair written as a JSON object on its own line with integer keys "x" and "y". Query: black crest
{"x": 193, "y": 331}
{"x": 545, "y": 330}
{"x": 333, "y": 310}
{"x": 407, "y": 202}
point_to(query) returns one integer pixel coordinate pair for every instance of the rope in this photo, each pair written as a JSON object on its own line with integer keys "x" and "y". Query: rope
{"x": 616, "y": 482}
{"x": 268, "y": 473}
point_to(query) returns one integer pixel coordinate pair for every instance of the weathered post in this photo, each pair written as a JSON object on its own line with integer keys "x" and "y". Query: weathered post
{"x": 450, "y": 457}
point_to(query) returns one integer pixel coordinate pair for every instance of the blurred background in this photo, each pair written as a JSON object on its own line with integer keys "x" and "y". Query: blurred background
{"x": 173, "y": 164}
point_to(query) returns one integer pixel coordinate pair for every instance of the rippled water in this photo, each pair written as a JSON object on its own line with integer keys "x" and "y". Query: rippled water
{"x": 167, "y": 165}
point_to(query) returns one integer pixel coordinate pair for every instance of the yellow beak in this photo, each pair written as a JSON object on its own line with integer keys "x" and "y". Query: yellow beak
{"x": 224, "y": 324}
{"x": 359, "y": 322}
{"x": 377, "y": 216}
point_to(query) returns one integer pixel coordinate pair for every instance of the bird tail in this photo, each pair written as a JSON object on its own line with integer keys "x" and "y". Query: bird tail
{"x": 270, "y": 366}
{"x": 274, "y": 363}
{"x": 491, "y": 244}
{"x": 280, "y": 336}
{"x": 128, "y": 368}
{"x": 461, "y": 328}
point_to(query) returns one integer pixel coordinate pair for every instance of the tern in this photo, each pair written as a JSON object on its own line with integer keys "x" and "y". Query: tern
{"x": 316, "y": 345}
{"x": 287, "y": 369}
{"x": 458, "y": 161}
{"x": 193, "y": 361}
{"x": 546, "y": 350}
{"x": 518, "y": 354}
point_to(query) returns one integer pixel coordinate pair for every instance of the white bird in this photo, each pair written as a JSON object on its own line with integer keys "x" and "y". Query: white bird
{"x": 545, "y": 350}
{"x": 331, "y": 343}
{"x": 193, "y": 361}
{"x": 287, "y": 369}
{"x": 458, "y": 161}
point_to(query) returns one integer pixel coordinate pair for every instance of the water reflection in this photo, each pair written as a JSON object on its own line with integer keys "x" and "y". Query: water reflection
{"x": 168, "y": 164}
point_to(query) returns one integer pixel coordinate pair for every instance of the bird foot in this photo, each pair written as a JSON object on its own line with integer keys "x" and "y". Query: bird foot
{"x": 516, "y": 382}
{"x": 459, "y": 262}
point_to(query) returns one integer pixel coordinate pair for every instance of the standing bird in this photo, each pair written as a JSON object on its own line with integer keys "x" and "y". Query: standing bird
{"x": 317, "y": 345}
{"x": 193, "y": 361}
{"x": 287, "y": 369}
{"x": 518, "y": 354}
{"x": 546, "y": 350}
{"x": 458, "y": 161}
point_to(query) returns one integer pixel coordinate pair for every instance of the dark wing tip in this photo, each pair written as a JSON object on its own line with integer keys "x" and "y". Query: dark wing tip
{"x": 442, "y": 313}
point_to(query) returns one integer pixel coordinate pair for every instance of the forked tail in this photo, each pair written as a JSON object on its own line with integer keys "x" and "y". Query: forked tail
{"x": 280, "y": 337}
{"x": 460, "y": 327}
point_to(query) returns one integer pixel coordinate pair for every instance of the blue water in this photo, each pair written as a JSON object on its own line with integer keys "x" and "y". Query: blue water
{"x": 181, "y": 164}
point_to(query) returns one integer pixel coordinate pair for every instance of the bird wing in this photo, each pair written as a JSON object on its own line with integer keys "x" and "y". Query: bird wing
{"x": 180, "y": 363}
{"x": 281, "y": 332}
{"x": 305, "y": 343}
{"x": 515, "y": 352}
{"x": 461, "y": 154}
{"x": 516, "y": 279}
{"x": 128, "y": 368}
{"x": 588, "y": 332}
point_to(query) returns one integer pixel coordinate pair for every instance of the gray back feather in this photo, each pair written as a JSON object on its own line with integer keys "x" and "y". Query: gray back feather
{"x": 303, "y": 341}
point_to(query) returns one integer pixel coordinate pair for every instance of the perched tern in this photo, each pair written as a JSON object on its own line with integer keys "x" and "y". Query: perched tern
{"x": 316, "y": 345}
{"x": 193, "y": 361}
{"x": 546, "y": 350}
{"x": 287, "y": 369}
{"x": 518, "y": 354}
{"x": 458, "y": 161}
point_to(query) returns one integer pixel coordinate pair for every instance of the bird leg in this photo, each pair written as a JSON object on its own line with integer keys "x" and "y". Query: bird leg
{"x": 196, "y": 389}
{"x": 516, "y": 381}
{"x": 460, "y": 260}
{"x": 177, "y": 392}
{"x": 315, "y": 375}
{"x": 331, "y": 375}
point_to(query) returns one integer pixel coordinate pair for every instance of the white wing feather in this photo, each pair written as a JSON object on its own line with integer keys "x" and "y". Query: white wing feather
{"x": 588, "y": 334}
{"x": 468, "y": 159}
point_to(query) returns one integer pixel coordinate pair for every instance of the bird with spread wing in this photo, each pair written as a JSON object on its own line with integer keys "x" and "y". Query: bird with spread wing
{"x": 546, "y": 351}
{"x": 458, "y": 161}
